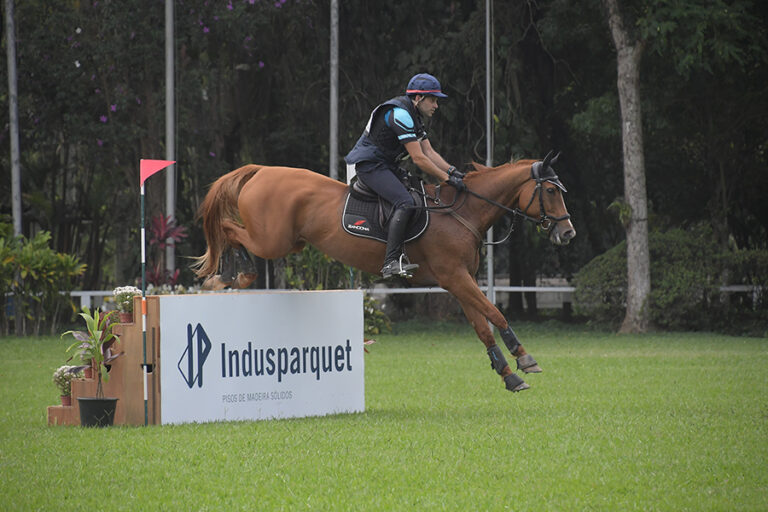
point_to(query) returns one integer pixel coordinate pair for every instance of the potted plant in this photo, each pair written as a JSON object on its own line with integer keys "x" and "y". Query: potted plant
{"x": 95, "y": 346}
{"x": 124, "y": 302}
{"x": 62, "y": 377}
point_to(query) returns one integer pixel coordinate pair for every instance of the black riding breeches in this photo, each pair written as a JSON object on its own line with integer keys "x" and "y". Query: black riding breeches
{"x": 385, "y": 183}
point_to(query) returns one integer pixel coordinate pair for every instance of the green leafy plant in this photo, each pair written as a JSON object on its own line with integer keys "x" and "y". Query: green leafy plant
{"x": 63, "y": 376}
{"x": 376, "y": 321}
{"x": 94, "y": 345}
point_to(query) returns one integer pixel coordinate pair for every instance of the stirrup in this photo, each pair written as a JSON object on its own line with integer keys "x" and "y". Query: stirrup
{"x": 399, "y": 268}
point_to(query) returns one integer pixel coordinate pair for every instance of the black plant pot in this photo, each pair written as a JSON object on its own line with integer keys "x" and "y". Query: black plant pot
{"x": 97, "y": 412}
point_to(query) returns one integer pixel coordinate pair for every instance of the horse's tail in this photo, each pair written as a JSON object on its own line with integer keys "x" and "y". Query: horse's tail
{"x": 220, "y": 204}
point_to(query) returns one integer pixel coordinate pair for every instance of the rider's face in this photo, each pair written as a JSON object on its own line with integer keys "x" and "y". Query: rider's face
{"x": 427, "y": 105}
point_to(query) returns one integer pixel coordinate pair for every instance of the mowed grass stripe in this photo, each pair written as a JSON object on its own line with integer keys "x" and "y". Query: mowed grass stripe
{"x": 650, "y": 422}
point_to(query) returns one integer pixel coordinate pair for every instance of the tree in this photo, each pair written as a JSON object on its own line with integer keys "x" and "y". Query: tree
{"x": 629, "y": 50}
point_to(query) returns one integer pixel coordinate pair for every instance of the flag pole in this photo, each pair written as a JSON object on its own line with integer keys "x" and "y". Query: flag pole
{"x": 146, "y": 169}
{"x": 144, "y": 303}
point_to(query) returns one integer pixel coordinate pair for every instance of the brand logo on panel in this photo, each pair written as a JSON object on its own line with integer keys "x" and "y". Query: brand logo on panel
{"x": 194, "y": 356}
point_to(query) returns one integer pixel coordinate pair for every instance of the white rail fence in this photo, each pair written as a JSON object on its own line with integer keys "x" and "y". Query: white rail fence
{"x": 546, "y": 296}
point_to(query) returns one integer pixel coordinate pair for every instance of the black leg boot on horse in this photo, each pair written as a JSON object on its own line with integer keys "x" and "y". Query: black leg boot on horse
{"x": 396, "y": 263}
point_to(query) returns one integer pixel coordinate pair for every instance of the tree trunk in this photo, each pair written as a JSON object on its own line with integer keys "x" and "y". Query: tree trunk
{"x": 628, "y": 54}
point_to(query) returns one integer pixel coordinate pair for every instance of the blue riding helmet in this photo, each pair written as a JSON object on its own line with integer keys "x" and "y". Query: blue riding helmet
{"x": 425, "y": 84}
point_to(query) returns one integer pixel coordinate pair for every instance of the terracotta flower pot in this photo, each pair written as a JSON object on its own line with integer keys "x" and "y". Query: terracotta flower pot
{"x": 66, "y": 400}
{"x": 125, "y": 318}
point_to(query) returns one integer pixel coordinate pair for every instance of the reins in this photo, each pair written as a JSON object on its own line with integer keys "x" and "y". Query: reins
{"x": 544, "y": 222}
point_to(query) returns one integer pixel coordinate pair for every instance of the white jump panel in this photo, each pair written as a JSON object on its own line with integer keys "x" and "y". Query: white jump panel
{"x": 253, "y": 356}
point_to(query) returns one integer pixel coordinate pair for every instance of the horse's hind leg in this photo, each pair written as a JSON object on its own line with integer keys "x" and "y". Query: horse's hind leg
{"x": 237, "y": 268}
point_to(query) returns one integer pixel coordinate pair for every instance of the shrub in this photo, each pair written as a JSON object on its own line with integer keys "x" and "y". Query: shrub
{"x": 686, "y": 273}
{"x": 601, "y": 287}
{"x": 36, "y": 275}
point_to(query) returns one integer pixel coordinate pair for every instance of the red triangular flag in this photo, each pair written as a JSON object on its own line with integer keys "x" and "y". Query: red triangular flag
{"x": 150, "y": 167}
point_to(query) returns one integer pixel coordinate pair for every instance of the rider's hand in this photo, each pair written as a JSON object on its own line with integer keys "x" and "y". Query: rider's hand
{"x": 453, "y": 171}
{"x": 457, "y": 180}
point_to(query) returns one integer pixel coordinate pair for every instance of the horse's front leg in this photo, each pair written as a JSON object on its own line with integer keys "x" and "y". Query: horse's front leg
{"x": 512, "y": 381}
{"x": 478, "y": 309}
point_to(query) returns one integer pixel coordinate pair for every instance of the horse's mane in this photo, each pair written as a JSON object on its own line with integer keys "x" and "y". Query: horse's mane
{"x": 480, "y": 168}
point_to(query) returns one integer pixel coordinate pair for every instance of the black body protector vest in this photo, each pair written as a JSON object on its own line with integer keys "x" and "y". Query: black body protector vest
{"x": 380, "y": 142}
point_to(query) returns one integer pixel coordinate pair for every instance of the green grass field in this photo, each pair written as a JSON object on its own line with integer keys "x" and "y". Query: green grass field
{"x": 653, "y": 422}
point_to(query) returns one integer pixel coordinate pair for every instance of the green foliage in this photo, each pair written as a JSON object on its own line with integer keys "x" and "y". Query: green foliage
{"x": 687, "y": 271}
{"x": 94, "y": 345}
{"x": 747, "y": 267}
{"x": 310, "y": 269}
{"x": 713, "y": 35}
{"x": 684, "y": 282}
{"x": 376, "y": 321}
{"x": 622, "y": 210}
{"x": 36, "y": 275}
{"x": 601, "y": 287}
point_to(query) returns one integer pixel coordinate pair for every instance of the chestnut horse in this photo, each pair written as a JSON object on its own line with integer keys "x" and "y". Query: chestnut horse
{"x": 273, "y": 211}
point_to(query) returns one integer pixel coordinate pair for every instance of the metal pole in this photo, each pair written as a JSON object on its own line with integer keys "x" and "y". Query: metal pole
{"x": 491, "y": 293}
{"x": 13, "y": 117}
{"x": 144, "y": 301}
{"x": 170, "y": 132}
{"x": 333, "y": 163}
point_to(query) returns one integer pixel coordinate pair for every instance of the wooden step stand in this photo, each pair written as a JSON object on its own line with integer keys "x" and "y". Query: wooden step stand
{"x": 126, "y": 374}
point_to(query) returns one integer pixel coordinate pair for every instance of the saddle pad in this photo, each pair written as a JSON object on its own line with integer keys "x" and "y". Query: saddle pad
{"x": 362, "y": 218}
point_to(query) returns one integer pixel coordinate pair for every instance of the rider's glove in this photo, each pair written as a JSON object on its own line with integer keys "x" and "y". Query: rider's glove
{"x": 457, "y": 181}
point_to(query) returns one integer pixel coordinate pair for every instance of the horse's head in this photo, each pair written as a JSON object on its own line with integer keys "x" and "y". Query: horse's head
{"x": 547, "y": 210}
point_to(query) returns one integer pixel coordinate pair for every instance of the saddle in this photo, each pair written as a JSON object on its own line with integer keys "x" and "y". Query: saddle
{"x": 367, "y": 215}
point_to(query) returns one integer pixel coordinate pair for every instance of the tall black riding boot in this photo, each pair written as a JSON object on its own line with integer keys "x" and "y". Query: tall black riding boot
{"x": 396, "y": 262}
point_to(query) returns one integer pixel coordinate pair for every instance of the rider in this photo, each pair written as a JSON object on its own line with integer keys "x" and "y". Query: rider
{"x": 394, "y": 131}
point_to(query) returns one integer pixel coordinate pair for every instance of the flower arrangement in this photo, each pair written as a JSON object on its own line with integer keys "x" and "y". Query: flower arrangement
{"x": 124, "y": 298}
{"x": 63, "y": 376}
{"x": 167, "y": 289}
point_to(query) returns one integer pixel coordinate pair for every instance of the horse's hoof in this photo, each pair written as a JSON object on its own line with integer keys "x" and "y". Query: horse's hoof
{"x": 528, "y": 364}
{"x": 521, "y": 387}
{"x": 214, "y": 283}
{"x": 514, "y": 383}
{"x": 244, "y": 280}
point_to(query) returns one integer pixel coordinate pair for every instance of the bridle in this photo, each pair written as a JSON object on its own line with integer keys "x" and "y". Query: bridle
{"x": 541, "y": 173}
{"x": 544, "y": 222}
